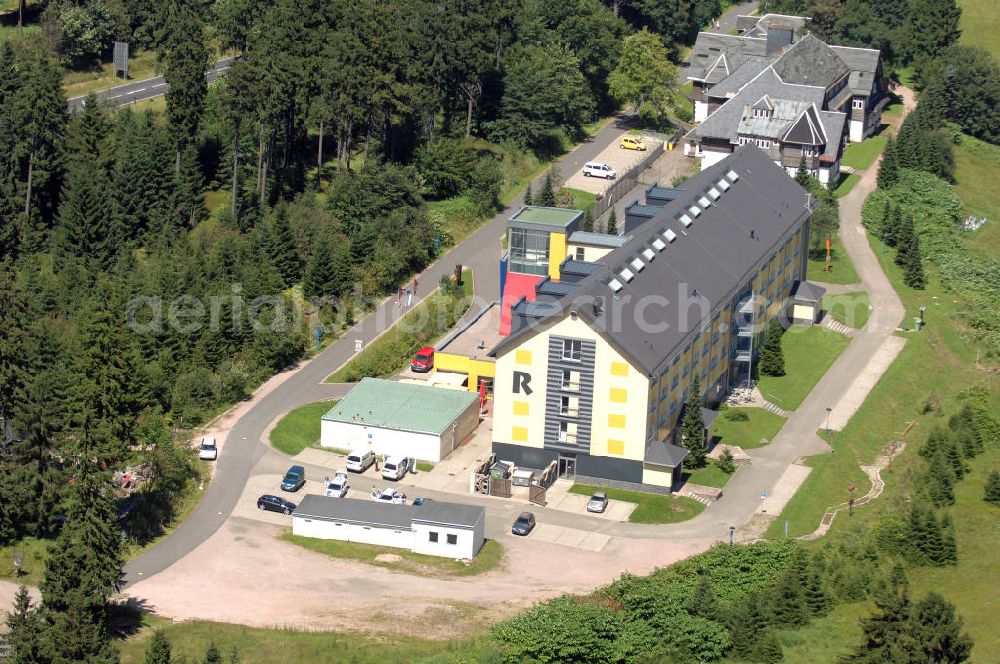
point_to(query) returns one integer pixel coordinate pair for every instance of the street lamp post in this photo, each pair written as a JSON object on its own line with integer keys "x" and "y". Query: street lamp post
{"x": 18, "y": 559}
{"x": 828, "y": 420}
{"x": 732, "y": 532}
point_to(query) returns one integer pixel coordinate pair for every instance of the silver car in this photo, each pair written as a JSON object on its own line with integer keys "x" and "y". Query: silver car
{"x": 598, "y": 502}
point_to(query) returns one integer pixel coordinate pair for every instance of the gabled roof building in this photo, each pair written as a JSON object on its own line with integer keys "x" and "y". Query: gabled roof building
{"x": 594, "y": 374}
{"x": 831, "y": 93}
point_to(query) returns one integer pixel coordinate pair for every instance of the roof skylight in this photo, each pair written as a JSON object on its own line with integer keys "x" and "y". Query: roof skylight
{"x": 694, "y": 210}
{"x": 615, "y": 285}
{"x": 704, "y": 202}
{"x": 648, "y": 254}
{"x": 684, "y": 219}
{"x": 733, "y": 176}
{"x": 659, "y": 244}
{"x": 637, "y": 264}
{"x": 724, "y": 185}
{"x": 714, "y": 193}
{"x": 626, "y": 274}
{"x": 670, "y": 235}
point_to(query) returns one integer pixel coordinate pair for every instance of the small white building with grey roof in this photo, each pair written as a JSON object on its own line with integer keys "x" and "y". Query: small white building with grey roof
{"x": 448, "y": 530}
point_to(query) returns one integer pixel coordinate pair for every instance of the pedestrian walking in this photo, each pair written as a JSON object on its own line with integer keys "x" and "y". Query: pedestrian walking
{"x": 415, "y": 285}
{"x": 399, "y": 296}
{"x": 409, "y": 297}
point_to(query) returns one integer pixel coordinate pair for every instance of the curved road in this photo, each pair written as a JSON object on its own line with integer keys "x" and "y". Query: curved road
{"x": 244, "y": 447}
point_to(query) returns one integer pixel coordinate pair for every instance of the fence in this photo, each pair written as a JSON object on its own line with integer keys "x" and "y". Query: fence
{"x": 623, "y": 185}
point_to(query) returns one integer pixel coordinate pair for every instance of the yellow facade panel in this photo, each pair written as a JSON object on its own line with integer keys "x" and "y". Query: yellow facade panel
{"x": 523, "y": 357}
{"x": 618, "y": 395}
{"x": 616, "y": 421}
{"x": 520, "y": 434}
{"x": 616, "y": 447}
{"x": 520, "y": 407}
{"x": 619, "y": 369}
{"x": 557, "y": 253}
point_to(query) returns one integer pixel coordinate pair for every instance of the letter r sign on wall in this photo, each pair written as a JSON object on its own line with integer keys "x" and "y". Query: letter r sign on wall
{"x": 522, "y": 383}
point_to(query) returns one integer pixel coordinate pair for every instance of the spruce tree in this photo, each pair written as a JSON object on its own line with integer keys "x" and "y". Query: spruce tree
{"x": 883, "y": 631}
{"x": 991, "y": 492}
{"x": 329, "y": 269}
{"x": 788, "y": 609}
{"x": 953, "y": 454}
{"x": 85, "y": 215}
{"x": 726, "y": 463}
{"x": 23, "y": 630}
{"x": 772, "y": 358}
{"x": 914, "y": 275}
{"x": 949, "y": 543}
{"x": 936, "y": 633}
{"x": 703, "y": 602}
{"x": 281, "y": 247}
{"x": 547, "y": 194}
{"x": 746, "y": 621}
{"x": 212, "y": 655}
{"x": 933, "y": 27}
{"x": 937, "y": 440}
{"x": 802, "y": 174}
{"x": 529, "y": 198}
{"x": 918, "y": 532}
{"x": 905, "y": 237}
{"x": 896, "y": 223}
{"x": 186, "y": 201}
{"x": 768, "y": 648}
{"x": 964, "y": 426}
{"x": 588, "y": 221}
{"x": 184, "y": 57}
{"x": 934, "y": 543}
{"x": 612, "y": 227}
{"x": 888, "y": 169}
{"x": 693, "y": 427}
{"x": 158, "y": 651}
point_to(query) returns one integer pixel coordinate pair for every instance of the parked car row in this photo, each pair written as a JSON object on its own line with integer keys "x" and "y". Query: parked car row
{"x": 394, "y": 468}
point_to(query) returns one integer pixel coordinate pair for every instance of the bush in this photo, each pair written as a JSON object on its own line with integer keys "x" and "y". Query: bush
{"x": 736, "y": 416}
{"x": 87, "y": 31}
{"x": 446, "y": 166}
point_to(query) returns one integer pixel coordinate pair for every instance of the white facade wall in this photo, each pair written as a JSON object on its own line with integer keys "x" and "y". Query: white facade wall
{"x": 391, "y": 442}
{"x": 467, "y": 542}
{"x": 712, "y": 157}
{"x": 347, "y": 532}
{"x": 857, "y": 130}
{"x": 700, "y": 111}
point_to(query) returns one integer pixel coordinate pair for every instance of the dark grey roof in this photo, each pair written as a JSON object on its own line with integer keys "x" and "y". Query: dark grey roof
{"x": 711, "y": 258}
{"x": 773, "y": 125}
{"x": 383, "y": 515}
{"x": 554, "y": 287}
{"x": 708, "y": 416}
{"x": 858, "y": 59}
{"x": 663, "y": 453}
{"x": 749, "y": 71}
{"x": 724, "y": 121}
{"x": 810, "y": 61}
{"x": 833, "y": 124}
{"x": 597, "y": 239}
{"x": 807, "y": 291}
{"x": 758, "y": 25}
{"x": 715, "y": 56}
{"x": 657, "y": 195}
{"x": 807, "y": 129}
{"x": 583, "y": 267}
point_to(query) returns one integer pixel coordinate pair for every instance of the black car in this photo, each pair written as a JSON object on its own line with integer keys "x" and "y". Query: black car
{"x": 524, "y": 524}
{"x": 294, "y": 479}
{"x": 275, "y": 504}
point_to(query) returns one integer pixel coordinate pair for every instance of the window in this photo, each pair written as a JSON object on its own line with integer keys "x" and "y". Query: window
{"x": 572, "y": 349}
{"x": 570, "y": 380}
{"x": 529, "y": 251}
{"x": 858, "y": 103}
{"x": 579, "y": 253}
{"x": 567, "y": 432}
{"x": 432, "y": 537}
{"x": 452, "y": 539}
{"x": 569, "y": 406}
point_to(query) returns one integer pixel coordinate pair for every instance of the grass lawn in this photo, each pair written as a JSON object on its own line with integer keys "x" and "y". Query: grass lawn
{"x": 862, "y": 155}
{"x": 828, "y": 638}
{"x": 582, "y": 199}
{"x": 851, "y": 309}
{"x": 32, "y": 566}
{"x": 847, "y": 182}
{"x": 980, "y": 24}
{"x": 391, "y": 352}
{"x": 842, "y": 271}
{"x": 490, "y": 556}
{"x": 977, "y": 170}
{"x": 650, "y": 507}
{"x": 458, "y": 216}
{"x": 424, "y": 466}
{"x": 300, "y": 428}
{"x": 759, "y": 429}
{"x": 190, "y": 639}
{"x": 809, "y": 352}
{"x": 893, "y": 113}
{"x": 710, "y": 475}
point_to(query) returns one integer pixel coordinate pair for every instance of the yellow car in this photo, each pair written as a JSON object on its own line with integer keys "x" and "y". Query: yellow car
{"x": 632, "y": 143}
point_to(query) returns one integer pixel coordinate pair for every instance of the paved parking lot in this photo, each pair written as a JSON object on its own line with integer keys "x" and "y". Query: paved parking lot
{"x": 571, "y": 502}
{"x": 574, "y": 537}
{"x": 617, "y": 158}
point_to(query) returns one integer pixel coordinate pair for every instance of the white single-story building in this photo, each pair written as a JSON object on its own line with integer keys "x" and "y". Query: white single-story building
{"x": 404, "y": 419}
{"x": 449, "y": 530}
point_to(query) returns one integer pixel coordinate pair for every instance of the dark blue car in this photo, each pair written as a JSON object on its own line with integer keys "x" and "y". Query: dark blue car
{"x": 293, "y": 479}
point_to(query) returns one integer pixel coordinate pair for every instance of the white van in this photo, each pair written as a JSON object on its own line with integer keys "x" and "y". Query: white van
{"x": 358, "y": 461}
{"x": 395, "y": 467}
{"x": 595, "y": 169}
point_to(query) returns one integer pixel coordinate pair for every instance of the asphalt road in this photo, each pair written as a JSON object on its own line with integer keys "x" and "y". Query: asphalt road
{"x": 244, "y": 446}
{"x": 144, "y": 89}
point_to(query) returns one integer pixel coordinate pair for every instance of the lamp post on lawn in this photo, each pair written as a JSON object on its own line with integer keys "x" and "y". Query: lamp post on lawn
{"x": 828, "y": 420}
{"x": 18, "y": 559}
{"x": 732, "y": 532}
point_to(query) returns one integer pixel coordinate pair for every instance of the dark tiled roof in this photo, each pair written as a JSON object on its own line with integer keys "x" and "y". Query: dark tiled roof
{"x": 383, "y": 515}
{"x": 708, "y": 260}
{"x": 833, "y": 123}
{"x": 715, "y": 56}
{"x": 810, "y": 62}
{"x": 731, "y": 85}
{"x": 807, "y": 129}
{"x": 807, "y": 292}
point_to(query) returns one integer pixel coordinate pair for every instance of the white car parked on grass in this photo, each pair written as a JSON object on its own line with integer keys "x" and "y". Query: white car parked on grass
{"x": 208, "y": 450}
{"x": 337, "y": 486}
{"x": 389, "y": 496}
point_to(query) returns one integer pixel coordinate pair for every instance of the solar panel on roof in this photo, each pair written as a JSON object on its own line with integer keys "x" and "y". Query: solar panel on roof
{"x": 638, "y": 264}
{"x": 670, "y": 235}
{"x": 659, "y": 244}
{"x": 626, "y": 274}
{"x": 648, "y": 254}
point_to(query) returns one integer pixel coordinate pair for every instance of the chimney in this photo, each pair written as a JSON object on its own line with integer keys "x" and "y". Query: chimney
{"x": 778, "y": 37}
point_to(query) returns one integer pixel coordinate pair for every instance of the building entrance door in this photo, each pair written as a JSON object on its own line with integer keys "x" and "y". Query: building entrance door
{"x": 567, "y": 467}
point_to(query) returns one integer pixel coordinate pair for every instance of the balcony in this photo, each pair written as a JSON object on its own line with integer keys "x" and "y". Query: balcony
{"x": 748, "y": 305}
{"x": 743, "y": 356}
{"x": 744, "y": 331}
